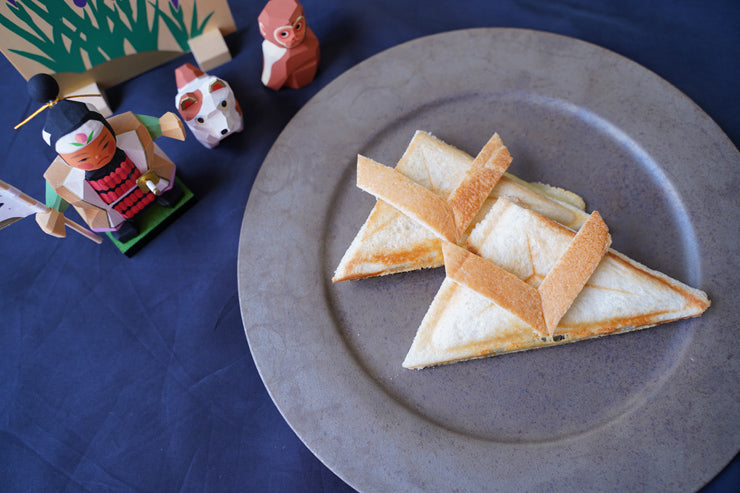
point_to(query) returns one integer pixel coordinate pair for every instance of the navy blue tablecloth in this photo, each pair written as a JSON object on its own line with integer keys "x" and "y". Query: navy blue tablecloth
{"x": 134, "y": 374}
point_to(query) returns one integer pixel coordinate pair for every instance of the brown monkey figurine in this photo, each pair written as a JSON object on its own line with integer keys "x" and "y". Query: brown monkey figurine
{"x": 290, "y": 48}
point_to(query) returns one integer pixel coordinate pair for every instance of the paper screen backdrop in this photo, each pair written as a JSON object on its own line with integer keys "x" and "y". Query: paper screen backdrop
{"x": 103, "y": 41}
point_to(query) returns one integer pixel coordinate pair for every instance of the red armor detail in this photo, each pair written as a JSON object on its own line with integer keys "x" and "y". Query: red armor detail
{"x": 120, "y": 185}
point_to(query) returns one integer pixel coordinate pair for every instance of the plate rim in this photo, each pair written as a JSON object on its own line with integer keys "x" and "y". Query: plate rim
{"x": 349, "y": 474}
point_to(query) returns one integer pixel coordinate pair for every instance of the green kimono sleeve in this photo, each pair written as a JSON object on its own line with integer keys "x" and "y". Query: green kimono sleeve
{"x": 54, "y": 201}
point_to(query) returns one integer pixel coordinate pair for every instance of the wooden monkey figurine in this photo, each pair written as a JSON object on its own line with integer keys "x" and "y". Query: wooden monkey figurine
{"x": 109, "y": 170}
{"x": 290, "y": 48}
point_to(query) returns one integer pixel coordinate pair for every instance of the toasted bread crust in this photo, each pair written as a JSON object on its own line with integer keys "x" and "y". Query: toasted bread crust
{"x": 493, "y": 282}
{"x": 541, "y": 307}
{"x": 409, "y": 197}
{"x": 448, "y": 219}
{"x": 562, "y": 284}
{"x": 487, "y": 169}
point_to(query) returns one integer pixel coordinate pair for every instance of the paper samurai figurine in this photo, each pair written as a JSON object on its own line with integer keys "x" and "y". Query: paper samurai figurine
{"x": 290, "y": 49}
{"x": 110, "y": 171}
{"x": 207, "y": 104}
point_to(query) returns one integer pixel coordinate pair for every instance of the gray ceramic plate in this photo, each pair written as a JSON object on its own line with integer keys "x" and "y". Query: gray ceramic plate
{"x": 655, "y": 409}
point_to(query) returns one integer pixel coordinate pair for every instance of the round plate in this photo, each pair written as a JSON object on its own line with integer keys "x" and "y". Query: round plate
{"x": 653, "y": 409}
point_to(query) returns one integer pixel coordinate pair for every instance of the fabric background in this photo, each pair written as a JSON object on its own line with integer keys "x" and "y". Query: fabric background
{"x": 121, "y": 374}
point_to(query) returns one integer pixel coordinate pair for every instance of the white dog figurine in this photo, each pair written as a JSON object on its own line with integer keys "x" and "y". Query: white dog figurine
{"x": 207, "y": 105}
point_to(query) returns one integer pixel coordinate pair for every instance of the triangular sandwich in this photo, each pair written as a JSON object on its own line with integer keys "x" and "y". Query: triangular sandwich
{"x": 390, "y": 241}
{"x": 511, "y": 291}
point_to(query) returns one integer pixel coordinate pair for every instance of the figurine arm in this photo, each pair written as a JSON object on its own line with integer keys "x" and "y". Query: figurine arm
{"x": 54, "y": 200}
{"x": 58, "y": 197}
{"x": 168, "y": 125}
{"x": 52, "y": 220}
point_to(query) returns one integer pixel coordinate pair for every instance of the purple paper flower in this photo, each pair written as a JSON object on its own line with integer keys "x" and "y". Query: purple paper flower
{"x": 80, "y": 3}
{"x": 12, "y": 2}
{"x": 175, "y": 3}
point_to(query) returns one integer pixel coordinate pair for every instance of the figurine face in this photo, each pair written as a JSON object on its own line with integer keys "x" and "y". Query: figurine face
{"x": 292, "y": 34}
{"x": 90, "y": 146}
{"x": 209, "y": 108}
{"x": 283, "y": 23}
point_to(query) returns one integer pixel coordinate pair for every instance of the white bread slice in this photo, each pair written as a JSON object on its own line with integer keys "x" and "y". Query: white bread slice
{"x": 621, "y": 295}
{"x": 390, "y": 242}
